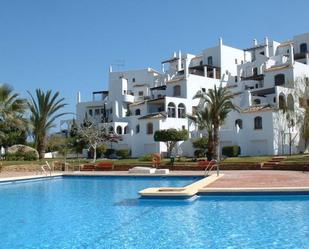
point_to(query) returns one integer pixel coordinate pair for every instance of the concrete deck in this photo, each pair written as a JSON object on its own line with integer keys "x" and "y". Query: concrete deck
{"x": 262, "y": 179}
{"x": 187, "y": 191}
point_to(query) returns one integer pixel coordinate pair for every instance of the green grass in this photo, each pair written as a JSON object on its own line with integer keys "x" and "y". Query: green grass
{"x": 255, "y": 159}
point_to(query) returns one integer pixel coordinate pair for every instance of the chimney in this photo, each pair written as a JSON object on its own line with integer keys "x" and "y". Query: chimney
{"x": 266, "y": 47}
{"x": 255, "y": 43}
{"x": 220, "y": 41}
{"x": 78, "y": 97}
{"x": 110, "y": 68}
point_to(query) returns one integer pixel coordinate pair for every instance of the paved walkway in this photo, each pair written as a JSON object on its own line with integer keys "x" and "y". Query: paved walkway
{"x": 261, "y": 179}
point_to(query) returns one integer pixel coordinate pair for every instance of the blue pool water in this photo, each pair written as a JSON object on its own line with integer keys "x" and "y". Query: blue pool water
{"x": 105, "y": 212}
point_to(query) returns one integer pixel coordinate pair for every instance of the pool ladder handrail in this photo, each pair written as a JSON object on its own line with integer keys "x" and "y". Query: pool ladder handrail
{"x": 49, "y": 168}
{"x": 213, "y": 163}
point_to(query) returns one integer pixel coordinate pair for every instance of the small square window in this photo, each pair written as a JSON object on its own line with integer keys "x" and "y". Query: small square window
{"x": 133, "y": 80}
{"x": 140, "y": 93}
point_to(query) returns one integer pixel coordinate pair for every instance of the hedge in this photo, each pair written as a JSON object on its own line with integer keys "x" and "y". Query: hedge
{"x": 231, "y": 151}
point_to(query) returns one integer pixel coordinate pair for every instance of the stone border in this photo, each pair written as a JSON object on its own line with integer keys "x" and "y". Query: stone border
{"x": 24, "y": 178}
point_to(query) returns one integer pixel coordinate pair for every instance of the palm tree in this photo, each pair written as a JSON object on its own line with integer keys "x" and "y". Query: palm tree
{"x": 219, "y": 104}
{"x": 43, "y": 114}
{"x": 203, "y": 120}
{"x": 12, "y": 108}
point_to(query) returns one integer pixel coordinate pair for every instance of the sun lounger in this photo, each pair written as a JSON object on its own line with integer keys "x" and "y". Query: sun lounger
{"x": 162, "y": 171}
{"x": 142, "y": 170}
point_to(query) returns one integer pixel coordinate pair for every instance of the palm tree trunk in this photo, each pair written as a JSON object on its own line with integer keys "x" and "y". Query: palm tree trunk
{"x": 41, "y": 147}
{"x": 216, "y": 141}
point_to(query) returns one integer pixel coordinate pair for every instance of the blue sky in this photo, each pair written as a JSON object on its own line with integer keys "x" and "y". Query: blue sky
{"x": 68, "y": 45}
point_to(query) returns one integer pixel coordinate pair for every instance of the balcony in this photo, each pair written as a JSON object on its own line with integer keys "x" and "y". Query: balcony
{"x": 128, "y": 98}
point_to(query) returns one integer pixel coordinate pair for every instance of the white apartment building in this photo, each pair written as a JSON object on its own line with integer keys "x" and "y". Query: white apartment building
{"x": 263, "y": 79}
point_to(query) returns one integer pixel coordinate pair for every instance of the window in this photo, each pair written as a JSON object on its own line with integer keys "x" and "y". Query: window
{"x": 262, "y": 53}
{"x": 137, "y": 129}
{"x": 171, "y": 110}
{"x": 111, "y": 129}
{"x": 279, "y": 79}
{"x": 288, "y": 51}
{"x": 126, "y": 130}
{"x": 140, "y": 93}
{"x": 201, "y": 63}
{"x": 90, "y": 112}
{"x": 149, "y": 128}
{"x": 176, "y": 91}
{"x": 257, "y": 101}
{"x": 119, "y": 130}
{"x": 255, "y": 71}
{"x": 303, "y": 48}
{"x": 290, "y": 102}
{"x": 181, "y": 111}
{"x": 236, "y": 79}
{"x": 275, "y": 99}
{"x": 258, "y": 123}
{"x": 133, "y": 80}
{"x": 209, "y": 60}
{"x": 239, "y": 123}
{"x": 97, "y": 112}
{"x": 282, "y": 104}
{"x": 235, "y": 61}
{"x": 203, "y": 90}
{"x": 183, "y": 127}
{"x": 137, "y": 112}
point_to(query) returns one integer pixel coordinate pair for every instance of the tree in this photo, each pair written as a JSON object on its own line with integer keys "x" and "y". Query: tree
{"x": 95, "y": 136}
{"x": 218, "y": 101}
{"x": 203, "y": 120}
{"x": 170, "y": 137}
{"x": 201, "y": 144}
{"x": 44, "y": 111}
{"x": 13, "y": 126}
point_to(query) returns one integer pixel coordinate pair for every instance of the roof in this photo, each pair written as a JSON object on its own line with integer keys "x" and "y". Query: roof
{"x": 263, "y": 92}
{"x": 140, "y": 85}
{"x": 255, "y": 47}
{"x": 157, "y": 99}
{"x": 175, "y": 80}
{"x": 260, "y": 108}
{"x": 137, "y": 103}
{"x": 156, "y": 115}
{"x": 280, "y": 67}
{"x": 170, "y": 60}
{"x": 163, "y": 87}
{"x": 283, "y": 44}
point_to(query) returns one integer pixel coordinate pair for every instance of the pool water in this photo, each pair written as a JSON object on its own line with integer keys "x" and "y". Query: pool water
{"x": 105, "y": 212}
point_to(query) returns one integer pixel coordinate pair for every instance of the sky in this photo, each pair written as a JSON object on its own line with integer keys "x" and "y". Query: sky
{"x": 68, "y": 45}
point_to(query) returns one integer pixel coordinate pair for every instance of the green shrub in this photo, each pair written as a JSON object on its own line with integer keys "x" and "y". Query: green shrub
{"x": 124, "y": 153}
{"x": 231, "y": 151}
{"x": 21, "y": 156}
{"x": 199, "y": 153}
{"x": 146, "y": 157}
{"x": 109, "y": 152}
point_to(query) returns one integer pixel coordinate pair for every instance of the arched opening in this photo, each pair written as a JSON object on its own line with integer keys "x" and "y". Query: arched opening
{"x": 149, "y": 128}
{"x": 171, "y": 110}
{"x": 181, "y": 111}
{"x": 111, "y": 129}
{"x": 290, "y": 102}
{"x": 209, "y": 60}
{"x": 126, "y": 130}
{"x": 239, "y": 123}
{"x": 258, "y": 123}
{"x": 137, "y": 129}
{"x": 282, "y": 104}
{"x": 255, "y": 71}
{"x": 119, "y": 130}
{"x": 257, "y": 101}
{"x": 137, "y": 112}
{"x": 176, "y": 91}
{"x": 303, "y": 48}
{"x": 279, "y": 79}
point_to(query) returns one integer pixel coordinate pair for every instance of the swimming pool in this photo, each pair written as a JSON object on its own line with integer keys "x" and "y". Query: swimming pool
{"x": 105, "y": 212}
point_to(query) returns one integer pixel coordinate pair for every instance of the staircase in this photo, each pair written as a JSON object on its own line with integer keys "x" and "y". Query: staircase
{"x": 269, "y": 165}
